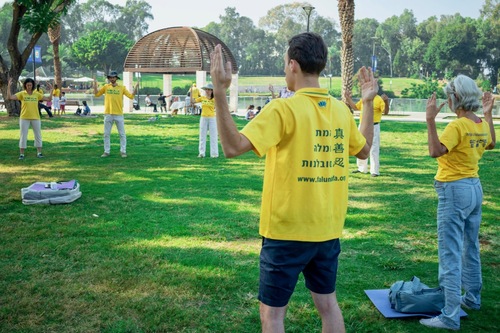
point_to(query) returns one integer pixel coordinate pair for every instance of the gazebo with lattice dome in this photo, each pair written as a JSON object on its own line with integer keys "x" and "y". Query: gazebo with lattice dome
{"x": 177, "y": 50}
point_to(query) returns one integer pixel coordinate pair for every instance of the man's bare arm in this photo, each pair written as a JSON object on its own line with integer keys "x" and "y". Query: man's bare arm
{"x": 369, "y": 89}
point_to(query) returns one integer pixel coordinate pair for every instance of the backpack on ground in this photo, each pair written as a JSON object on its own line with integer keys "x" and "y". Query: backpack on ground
{"x": 415, "y": 297}
{"x": 51, "y": 193}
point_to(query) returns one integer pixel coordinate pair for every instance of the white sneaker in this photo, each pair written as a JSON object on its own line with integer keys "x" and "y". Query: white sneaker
{"x": 436, "y": 323}
{"x": 201, "y": 156}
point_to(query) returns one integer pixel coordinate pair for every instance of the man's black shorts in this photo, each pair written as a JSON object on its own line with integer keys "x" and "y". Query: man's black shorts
{"x": 281, "y": 262}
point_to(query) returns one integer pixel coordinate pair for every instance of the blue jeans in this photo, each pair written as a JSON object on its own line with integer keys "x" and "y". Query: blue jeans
{"x": 458, "y": 220}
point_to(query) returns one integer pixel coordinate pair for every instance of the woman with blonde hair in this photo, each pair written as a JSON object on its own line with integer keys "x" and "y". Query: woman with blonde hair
{"x": 458, "y": 150}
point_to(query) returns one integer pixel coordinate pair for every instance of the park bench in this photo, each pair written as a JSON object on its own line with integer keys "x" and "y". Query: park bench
{"x": 72, "y": 102}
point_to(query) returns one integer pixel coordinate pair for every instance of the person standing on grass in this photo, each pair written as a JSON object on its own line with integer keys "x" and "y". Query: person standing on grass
{"x": 380, "y": 106}
{"x": 62, "y": 103}
{"x": 30, "y": 115}
{"x": 56, "y": 95}
{"x": 460, "y": 195}
{"x": 208, "y": 122}
{"x": 113, "y": 111}
{"x": 307, "y": 140}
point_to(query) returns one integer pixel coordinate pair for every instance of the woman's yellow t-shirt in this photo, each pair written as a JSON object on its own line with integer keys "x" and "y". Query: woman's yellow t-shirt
{"x": 207, "y": 106}
{"x": 466, "y": 142}
{"x": 29, "y": 104}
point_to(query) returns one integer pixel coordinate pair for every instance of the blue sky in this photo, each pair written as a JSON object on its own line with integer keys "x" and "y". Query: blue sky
{"x": 171, "y": 13}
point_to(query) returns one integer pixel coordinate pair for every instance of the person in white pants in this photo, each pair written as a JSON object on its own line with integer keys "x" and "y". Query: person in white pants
{"x": 29, "y": 115}
{"x": 208, "y": 122}
{"x": 113, "y": 111}
{"x": 380, "y": 106}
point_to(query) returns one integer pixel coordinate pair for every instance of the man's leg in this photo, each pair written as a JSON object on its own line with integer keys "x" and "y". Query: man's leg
{"x": 329, "y": 310}
{"x": 108, "y": 123}
{"x": 375, "y": 151}
{"x": 120, "y": 126}
{"x": 272, "y": 318}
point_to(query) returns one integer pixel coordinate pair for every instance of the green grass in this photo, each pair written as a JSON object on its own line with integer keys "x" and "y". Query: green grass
{"x": 165, "y": 242}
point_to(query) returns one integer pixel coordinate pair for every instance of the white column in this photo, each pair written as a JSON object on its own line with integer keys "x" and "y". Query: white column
{"x": 167, "y": 87}
{"x": 233, "y": 94}
{"x": 128, "y": 82}
{"x": 201, "y": 79}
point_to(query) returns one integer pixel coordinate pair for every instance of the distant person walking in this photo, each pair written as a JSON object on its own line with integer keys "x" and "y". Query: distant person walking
{"x": 30, "y": 115}
{"x": 460, "y": 195}
{"x": 113, "y": 111}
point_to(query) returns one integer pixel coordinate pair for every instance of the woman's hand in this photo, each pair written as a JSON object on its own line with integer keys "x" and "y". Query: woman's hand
{"x": 488, "y": 103}
{"x": 431, "y": 110}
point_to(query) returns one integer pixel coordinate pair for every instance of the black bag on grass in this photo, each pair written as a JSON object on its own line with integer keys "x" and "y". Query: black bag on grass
{"x": 415, "y": 297}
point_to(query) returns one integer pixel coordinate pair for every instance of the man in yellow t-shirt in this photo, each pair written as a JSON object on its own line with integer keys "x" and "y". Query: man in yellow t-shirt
{"x": 380, "y": 106}
{"x": 113, "y": 111}
{"x": 307, "y": 140}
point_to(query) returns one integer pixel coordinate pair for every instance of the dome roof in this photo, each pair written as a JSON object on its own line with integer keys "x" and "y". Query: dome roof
{"x": 177, "y": 50}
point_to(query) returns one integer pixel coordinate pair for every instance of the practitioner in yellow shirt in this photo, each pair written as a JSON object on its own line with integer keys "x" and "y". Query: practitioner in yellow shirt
{"x": 307, "y": 140}
{"x": 30, "y": 115}
{"x": 380, "y": 107}
{"x": 56, "y": 98}
{"x": 208, "y": 122}
{"x": 460, "y": 195}
{"x": 113, "y": 111}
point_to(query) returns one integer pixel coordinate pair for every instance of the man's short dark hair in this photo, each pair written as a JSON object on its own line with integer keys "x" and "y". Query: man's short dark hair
{"x": 310, "y": 51}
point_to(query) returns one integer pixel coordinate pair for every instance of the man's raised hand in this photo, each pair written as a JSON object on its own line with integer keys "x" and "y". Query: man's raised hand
{"x": 368, "y": 84}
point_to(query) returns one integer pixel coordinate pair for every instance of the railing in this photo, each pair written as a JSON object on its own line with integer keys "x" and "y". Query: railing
{"x": 398, "y": 105}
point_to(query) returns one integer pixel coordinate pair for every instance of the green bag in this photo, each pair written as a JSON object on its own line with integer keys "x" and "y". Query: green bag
{"x": 415, "y": 297}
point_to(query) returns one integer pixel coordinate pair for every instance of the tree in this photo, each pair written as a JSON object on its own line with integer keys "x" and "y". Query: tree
{"x": 55, "y": 37}
{"x": 364, "y": 32}
{"x": 34, "y": 17}
{"x": 454, "y": 47}
{"x": 346, "y": 15}
{"x": 102, "y": 49}
{"x": 489, "y": 32}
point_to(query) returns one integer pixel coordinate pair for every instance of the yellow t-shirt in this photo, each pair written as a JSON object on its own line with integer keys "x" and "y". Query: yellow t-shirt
{"x": 466, "y": 142}
{"x": 113, "y": 99}
{"x": 56, "y": 92}
{"x": 195, "y": 92}
{"x": 29, "y": 104}
{"x": 207, "y": 106}
{"x": 307, "y": 140}
{"x": 378, "y": 109}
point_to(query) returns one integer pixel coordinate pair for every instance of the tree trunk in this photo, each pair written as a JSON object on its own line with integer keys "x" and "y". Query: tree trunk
{"x": 55, "y": 37}
{"x": 346, "y": 15}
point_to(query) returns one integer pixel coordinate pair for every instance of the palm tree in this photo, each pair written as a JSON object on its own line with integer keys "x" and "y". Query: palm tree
{"x": 54, "y": 37}
{"x": 346, "y": 15}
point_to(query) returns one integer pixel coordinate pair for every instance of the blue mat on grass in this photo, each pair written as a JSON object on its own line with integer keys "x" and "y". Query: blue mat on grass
{"x": 380, "y": 298}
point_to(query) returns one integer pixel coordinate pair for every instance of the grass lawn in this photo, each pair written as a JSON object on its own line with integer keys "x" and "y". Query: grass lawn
{"x": 166, "y": 242}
